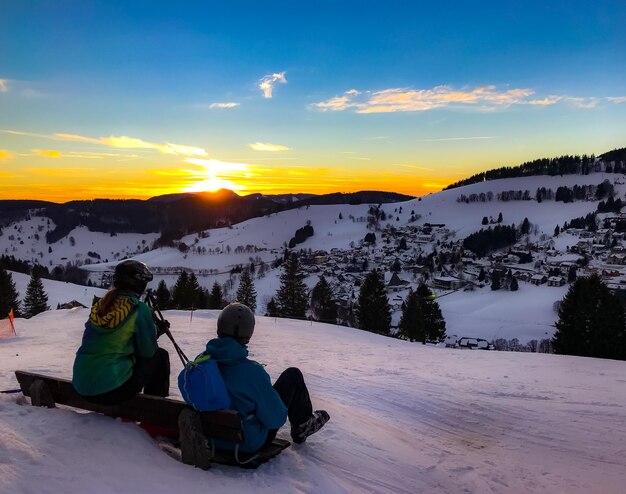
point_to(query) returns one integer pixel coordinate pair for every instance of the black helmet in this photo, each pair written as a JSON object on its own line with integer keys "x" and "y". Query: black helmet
{"x": 236, "y": 320}
{"x": 132, "y": 275}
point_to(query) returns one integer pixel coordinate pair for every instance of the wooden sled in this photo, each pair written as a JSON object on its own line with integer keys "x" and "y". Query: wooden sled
{"x": 196, "y": 430}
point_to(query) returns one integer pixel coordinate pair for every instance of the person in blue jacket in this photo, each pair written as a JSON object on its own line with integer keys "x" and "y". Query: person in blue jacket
{"x": 263, "y": 407}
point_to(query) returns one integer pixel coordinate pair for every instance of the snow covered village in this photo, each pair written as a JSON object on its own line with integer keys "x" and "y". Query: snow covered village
{"x": 303, "y": 248}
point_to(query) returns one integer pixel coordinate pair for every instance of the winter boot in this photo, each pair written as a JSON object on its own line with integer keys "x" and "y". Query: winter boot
{"x": 300, "y": 432}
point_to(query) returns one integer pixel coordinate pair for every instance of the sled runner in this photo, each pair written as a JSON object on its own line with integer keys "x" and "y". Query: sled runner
{"x": 195, "y": 430}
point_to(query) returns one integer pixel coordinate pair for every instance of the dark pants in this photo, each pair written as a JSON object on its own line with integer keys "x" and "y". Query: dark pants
{"x": 292, "y": 390}
{"x": 150, "y": 374}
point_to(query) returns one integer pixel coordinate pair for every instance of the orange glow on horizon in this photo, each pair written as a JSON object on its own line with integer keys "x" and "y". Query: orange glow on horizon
{"x": 43, "y": 189}
{"x": 116, "y": 178}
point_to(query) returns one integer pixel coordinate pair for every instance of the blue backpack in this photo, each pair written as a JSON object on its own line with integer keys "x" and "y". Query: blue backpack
{"x": 202, "y": 385}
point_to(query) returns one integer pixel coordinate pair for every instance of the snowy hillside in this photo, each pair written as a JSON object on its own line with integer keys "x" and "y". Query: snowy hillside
{"x": 405, "y": 418}
{"x": 272, "y": 232}
{"x": 526, "y": 314}
{"x": 59, "y": 292}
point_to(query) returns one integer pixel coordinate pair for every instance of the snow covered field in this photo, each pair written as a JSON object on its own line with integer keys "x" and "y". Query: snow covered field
{"x": 405, "y": 418}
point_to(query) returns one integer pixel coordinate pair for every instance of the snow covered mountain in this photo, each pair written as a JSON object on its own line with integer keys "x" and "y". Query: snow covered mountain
{"x": 405, "y": 418}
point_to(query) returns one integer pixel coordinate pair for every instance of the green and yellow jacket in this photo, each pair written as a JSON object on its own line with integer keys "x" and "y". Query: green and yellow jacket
{"x": 111, "y": 344}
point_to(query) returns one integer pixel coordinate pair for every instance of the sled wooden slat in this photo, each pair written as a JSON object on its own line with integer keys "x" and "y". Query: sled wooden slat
{"x": 162, "y": 412}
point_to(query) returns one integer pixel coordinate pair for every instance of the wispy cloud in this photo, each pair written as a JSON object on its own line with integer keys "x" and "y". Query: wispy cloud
{"x": 5, "y": 154}
{"x": 481, "y": 98}
{"x": 267, "y": 83}
{"x": 28, "y": 134}
{"x": 434, "y": 185}
{"x": 61, "y": 172}
{"x": 267, "y": 146}
{"x": 121, "y": 142}
{"x": 48, "y": 153}
{"x": 3, "y": 86}
{"x": 474, "y": 138}
{"x": 412, "y": 167}
{"x": 338, "y": 103}
{"x": 99, "y": 156}
{"x": 125, "y": 142}
{"x": 548, "y": 100}
{"x": 229, "y": 104}
{"x": 590, "y": 102}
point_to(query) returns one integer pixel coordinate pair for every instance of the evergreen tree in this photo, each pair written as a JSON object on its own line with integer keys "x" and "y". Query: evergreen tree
{"x": 36, "y": 299}
{"x": 557, "y": 230}
{"x": 412, "y": 325}
{"x": 495, "y": 281}
{"x": 9, "y": 297}
{"x": 396, "y": 267}
{"x": 434, "y": 323}
{"x": 481, "y": 275}
{"x": 202, "y": 298}
{"x": 181, "y": 295}
{"x": 162, "y": 295}
{"x": 591, "y": 321}
{"x": 525, "y": 226}
{"x": 272, "y": 310}
{"x": 291, "y": 297}
{"x": 500, "y": 218}
{"x": 571, "y": 274}
{"x": 195, "y": 293}
{"x": 514, "y": 284}
{"x": 373, "y": 311}
{"x": 216, "y": 298}
{"x": 246, "y": 293}
{"x": 323, "y": 303}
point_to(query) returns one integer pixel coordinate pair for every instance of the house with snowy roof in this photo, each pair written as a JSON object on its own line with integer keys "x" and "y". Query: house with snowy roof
{"x": 396, "y": 283}
{"x": 447, "y": 283}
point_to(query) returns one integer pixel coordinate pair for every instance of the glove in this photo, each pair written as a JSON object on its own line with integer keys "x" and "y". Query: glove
{"x": 162, "y": 326}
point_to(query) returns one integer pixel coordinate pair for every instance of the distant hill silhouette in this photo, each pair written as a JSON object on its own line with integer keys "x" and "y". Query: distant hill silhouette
{"x": 364, "y": 196}
{"x": 611, "y": 161}
{"x": 172, "y": 215}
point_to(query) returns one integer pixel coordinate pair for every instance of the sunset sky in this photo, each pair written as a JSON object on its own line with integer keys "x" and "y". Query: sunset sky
{"x": 104, "y": 99}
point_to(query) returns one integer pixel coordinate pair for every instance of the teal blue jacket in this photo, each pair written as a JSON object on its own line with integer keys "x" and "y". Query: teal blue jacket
{"x": 111, "y": 345}
{"x": 251, "y": 393}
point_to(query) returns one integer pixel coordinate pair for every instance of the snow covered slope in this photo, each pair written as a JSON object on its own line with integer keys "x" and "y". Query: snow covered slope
{"x": 59, "y": 292}
{"x": 405, "y": 418}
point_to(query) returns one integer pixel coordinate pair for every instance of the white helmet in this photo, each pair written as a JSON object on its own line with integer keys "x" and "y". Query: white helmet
{"x": 236, "y": 320}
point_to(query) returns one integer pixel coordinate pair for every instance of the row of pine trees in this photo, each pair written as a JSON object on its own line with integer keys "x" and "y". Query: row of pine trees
{"x": 591, "y": 319}
{"x": 421, "y": 320}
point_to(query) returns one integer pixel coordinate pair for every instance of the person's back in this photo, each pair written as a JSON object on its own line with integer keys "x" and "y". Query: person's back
{"x": 110, "y": 342}
{"x": 251, "y": 393}
{"x": 263, "y": 408}
{"x": 119, "y": 355}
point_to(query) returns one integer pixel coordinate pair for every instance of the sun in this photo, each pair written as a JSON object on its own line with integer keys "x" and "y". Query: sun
{"x": 217, "y": 175}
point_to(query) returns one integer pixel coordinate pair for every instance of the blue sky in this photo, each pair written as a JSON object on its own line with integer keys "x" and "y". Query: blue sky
{"x": 335, "y": 95}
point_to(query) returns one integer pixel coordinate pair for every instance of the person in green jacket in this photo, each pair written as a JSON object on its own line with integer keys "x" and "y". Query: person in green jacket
{"x": 119, "y": 355}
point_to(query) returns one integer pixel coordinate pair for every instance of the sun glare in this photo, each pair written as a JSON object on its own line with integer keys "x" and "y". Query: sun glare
{"x": 217, "y": 175}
